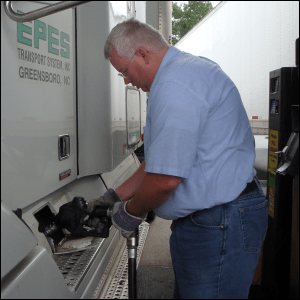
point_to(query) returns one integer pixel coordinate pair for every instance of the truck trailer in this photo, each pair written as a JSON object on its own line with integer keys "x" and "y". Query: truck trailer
{"x": 248, "y": 39}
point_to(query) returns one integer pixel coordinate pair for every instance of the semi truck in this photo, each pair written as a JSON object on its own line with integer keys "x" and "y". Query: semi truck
{"x": 69, "y": 128}
{"x": 248, "y": 39}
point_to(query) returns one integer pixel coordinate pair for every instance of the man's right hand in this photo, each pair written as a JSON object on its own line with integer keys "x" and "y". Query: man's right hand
{"x": 108, "y": 199}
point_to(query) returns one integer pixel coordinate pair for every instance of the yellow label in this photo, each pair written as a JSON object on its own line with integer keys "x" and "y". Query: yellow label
{"x": 273, "y": 147}
{"x": 271, "y": 202}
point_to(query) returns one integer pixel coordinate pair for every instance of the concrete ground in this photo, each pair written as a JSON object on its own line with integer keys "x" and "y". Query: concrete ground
{"x": 155, "y": 275}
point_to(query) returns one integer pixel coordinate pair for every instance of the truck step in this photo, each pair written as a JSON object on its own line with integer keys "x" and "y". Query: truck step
{"x": 114, "y": 282}
{"x": 75, "y": 258}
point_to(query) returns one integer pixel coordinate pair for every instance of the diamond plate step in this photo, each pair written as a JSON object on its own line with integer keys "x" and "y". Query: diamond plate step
{"x": 76, "y": 260}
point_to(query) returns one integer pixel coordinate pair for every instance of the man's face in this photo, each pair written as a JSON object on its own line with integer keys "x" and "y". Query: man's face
{"x": 136, "y": 70}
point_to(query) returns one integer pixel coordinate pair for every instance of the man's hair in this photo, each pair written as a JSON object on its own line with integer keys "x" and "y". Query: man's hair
{"x": 128, "y": 36}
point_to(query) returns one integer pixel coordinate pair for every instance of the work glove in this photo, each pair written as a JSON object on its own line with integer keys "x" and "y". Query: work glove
{"x": 123, "y": 221}
{"x": 109, "y": 198}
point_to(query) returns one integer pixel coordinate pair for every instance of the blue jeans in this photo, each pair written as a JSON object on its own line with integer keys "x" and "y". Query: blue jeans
{"x": 215, "y": 251}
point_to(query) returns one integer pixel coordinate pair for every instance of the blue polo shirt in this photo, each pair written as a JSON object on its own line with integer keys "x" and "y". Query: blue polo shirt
{"x": 197, "y": 129}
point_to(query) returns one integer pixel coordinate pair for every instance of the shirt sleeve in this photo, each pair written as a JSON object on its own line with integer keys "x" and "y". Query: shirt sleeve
{"x": 178, "y": 116}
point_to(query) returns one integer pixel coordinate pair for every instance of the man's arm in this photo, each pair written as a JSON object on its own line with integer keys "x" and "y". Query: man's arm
{"x": 129, "y": 188}
{"x": 155, "y": 189}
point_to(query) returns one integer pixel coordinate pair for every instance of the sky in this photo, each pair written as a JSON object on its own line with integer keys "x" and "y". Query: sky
{"x": 214, "y": 3}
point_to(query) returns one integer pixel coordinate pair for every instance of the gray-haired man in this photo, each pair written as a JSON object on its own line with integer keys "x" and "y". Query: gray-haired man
{"x": 198, "y": 169}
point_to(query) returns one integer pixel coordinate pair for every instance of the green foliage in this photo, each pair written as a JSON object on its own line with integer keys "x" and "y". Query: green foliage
{"x": 187, "y": 16}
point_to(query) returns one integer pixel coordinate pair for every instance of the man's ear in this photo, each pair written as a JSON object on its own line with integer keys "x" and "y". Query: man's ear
{"x": 143, "y": 53}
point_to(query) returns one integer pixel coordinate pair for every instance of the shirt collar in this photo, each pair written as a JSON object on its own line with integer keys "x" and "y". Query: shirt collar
{"x": 170, "y": 54}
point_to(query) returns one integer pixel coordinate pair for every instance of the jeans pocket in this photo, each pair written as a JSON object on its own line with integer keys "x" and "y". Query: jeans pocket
{"x": 254, "y": 222}
{"x": 210, "y": 218}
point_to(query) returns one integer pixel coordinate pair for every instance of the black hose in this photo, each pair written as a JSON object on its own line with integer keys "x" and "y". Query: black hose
{"x": 132, "y": 278}
{"x": 132, "y": 243}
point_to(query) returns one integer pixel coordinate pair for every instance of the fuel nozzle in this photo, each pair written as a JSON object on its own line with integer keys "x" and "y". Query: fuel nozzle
{"x": 49, "y": 230}
{"x": 53, "y": 232}
{"x": 80, "y": 202}
{"x": 71, "y": 216}
{"x": 101, "y": 211}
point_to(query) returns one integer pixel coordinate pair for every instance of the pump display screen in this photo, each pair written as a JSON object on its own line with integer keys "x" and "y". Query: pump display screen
{"x": 274, "y": 106}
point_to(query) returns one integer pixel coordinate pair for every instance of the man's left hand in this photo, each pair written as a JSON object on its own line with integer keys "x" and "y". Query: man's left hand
{"x": 123, "y": 221}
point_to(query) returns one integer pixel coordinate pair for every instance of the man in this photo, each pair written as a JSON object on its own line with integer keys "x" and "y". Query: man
{"x": 198, "y": 168}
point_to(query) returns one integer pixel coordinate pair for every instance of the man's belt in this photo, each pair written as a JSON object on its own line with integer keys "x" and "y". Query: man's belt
{"x": 252, "y": 186}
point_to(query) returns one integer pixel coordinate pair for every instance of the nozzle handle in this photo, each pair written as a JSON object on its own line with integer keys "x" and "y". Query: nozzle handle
{"x": 101, "y": 211}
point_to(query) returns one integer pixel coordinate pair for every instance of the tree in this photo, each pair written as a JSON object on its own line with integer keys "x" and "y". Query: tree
{"x": 187, "y": 16}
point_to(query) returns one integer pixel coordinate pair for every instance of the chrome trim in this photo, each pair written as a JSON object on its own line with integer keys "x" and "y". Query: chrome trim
{"x": 39, "y": 13}
{"x": 65, "y": 148}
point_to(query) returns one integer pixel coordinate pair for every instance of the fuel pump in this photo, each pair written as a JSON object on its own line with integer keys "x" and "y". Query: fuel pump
{"x": 283, "y": 177}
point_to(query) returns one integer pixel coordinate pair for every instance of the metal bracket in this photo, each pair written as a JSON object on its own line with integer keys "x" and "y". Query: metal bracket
{"x": 39, "y": 13}
{"x": 289, "y": 163}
